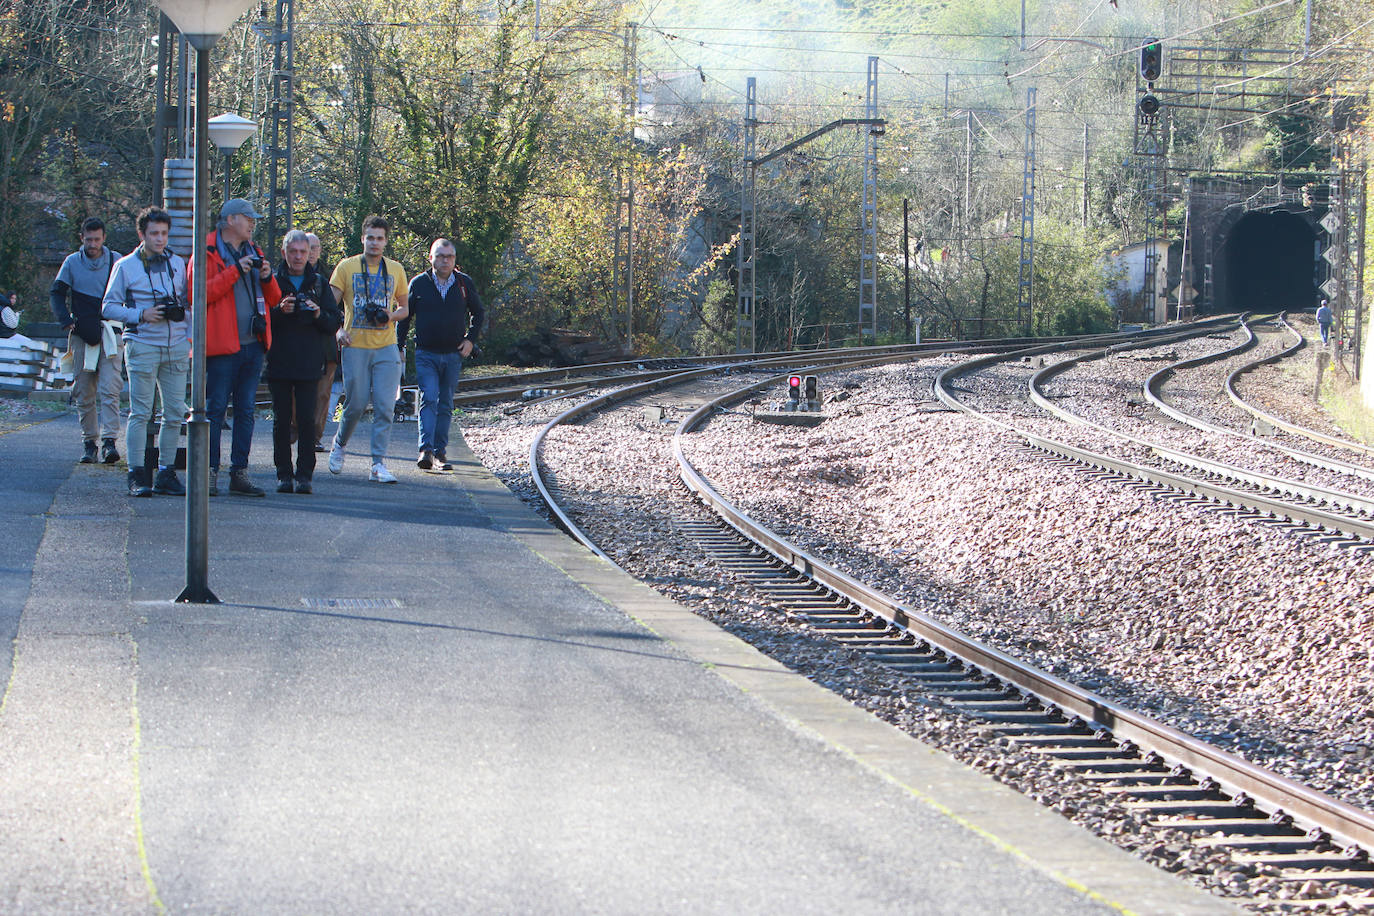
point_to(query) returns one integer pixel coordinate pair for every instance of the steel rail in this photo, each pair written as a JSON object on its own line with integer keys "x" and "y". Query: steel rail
{"x": 1154, "y": 393}
{"x": 1277, "y": 422}
{"x": 1275, "y": 794}
{"x": 661, "y": 381}
{"x": 1306, "y": 514}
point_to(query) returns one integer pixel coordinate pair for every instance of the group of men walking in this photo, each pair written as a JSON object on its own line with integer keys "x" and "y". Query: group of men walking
{"x": 291, "y": 321}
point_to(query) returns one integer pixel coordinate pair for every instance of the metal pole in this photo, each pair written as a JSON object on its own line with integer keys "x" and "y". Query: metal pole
{"x": 1360, "y": 342}
{"x": 228, "y": 163}
{"x": 197, "y": 588}
{"x": 906, "y": 265}
{"x": 1085, "y": 175}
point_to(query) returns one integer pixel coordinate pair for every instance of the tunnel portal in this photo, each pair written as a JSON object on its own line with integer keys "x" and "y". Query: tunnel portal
{"x": 1270, "y": 260}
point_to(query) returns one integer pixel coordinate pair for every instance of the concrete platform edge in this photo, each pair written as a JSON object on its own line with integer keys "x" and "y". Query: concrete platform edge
{"x": 1003, "y": 817}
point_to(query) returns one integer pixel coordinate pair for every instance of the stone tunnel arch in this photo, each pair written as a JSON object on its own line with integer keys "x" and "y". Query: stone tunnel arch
{"x": 1268, "y": 261}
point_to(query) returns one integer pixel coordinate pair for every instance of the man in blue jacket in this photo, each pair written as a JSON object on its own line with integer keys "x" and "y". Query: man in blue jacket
{"x": 77, "y": 296}
{"x": 448, "y": 316}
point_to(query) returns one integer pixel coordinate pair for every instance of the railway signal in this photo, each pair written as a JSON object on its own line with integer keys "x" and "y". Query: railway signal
{"x": 1151, "y": 60}
{"x": 813, "y": 392}
{"x": 794, "y": 383}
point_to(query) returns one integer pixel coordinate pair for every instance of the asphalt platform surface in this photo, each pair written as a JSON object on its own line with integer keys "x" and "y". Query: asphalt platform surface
{"x": 420, "y": 698}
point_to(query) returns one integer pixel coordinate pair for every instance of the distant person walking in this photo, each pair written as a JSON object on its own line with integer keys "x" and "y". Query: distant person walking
{"x": 77, "y": 298}
{"x": 1325, "y": 317}
{"x": 305, "y": 316}
{"x": 372, "y": 289}
{"x": 147, "y": 291}
{"x": 448, "y": 317}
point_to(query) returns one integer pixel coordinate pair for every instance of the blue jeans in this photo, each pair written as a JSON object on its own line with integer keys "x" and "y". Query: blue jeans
{"x": 437, "y": 374}
{"x": 234, "y": 375}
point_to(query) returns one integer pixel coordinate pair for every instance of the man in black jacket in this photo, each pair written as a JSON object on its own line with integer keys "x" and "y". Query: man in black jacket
{"x": 448, "y": 317}
{"x": 304, "y": 318}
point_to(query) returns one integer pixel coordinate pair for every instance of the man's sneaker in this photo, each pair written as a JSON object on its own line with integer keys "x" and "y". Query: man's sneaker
{"x": 241, "y": 485}
{"x": 426, "y": 460}
{"x": 214, "y": 481}
{"x": 441, "y": 462}
{"x": 137, "y": 485}
{"x": 319, "y": 447}
{"x": 108, "y": 453}
{"x": 380, "y": 474}
{"x": 286, "y": 485}
{"x": 303, "y": 486}
{"x": 336, "y": 457}
{"x": 89, "y": 456}
{"x": 167, "y": 483}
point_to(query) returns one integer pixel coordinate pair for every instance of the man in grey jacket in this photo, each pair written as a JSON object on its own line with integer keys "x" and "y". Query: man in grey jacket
{"x": 77, "y": 296}
{"x": 147, "y": 291}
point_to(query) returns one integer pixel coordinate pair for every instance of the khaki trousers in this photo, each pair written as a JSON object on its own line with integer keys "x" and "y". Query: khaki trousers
{"x": 96, "y": 393}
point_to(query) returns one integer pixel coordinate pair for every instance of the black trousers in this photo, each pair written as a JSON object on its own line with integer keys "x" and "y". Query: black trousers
{"x": 293, "y": 398}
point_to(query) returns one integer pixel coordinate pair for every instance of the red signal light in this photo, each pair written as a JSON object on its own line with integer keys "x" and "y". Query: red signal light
{"x": 794, "y": 383}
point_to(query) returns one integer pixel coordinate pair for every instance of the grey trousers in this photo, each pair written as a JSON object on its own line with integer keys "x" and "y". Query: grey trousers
{"x": 154, "y": 369}
{"x": 96, "y": 393}
{"x": 370, "y": 376}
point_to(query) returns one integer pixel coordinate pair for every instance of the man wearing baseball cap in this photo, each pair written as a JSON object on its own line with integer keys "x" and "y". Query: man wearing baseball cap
{"x": 239, "y": 289}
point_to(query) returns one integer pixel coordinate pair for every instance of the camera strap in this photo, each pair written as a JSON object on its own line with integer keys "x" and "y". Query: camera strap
{"x": 367, "y": 280}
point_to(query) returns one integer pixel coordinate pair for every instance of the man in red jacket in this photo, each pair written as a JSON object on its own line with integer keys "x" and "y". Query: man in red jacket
{"x": 239, "y": 289}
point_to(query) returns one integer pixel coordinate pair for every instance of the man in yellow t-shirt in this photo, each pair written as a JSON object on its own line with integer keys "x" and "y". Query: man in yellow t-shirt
{"x": 373, "y": 291}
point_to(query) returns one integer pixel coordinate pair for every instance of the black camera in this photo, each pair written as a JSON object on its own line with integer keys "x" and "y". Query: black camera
{"x": 256, "y": 262}
{"x": 172, "y": 310}
{"x": 376, "y": 314}
{"x": 305, "y": 302}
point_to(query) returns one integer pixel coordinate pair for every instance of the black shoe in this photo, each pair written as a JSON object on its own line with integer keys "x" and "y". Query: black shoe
{"x": 167, "y": 483}
{"x": 108, "y": 453}
{"x": 426, "y": 460}
{"x": 286, "y": 486}
{"x": 89, "y": 456}
{"x": 214, "y": 481}
{"x": 319, "y": 447}
{"x": 241, "y": 485}
{"x": 441, "y": 462}
{"x": 137, "y": 486}
{"x": 303, "y": 487}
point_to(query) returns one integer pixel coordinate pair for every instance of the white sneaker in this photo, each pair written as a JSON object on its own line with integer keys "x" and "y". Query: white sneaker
{"x": 336, "y": 457}
{"x": 381, "y": 475}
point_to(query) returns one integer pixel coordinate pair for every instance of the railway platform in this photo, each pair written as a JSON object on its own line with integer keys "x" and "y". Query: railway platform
{"x": 422, "y": 698}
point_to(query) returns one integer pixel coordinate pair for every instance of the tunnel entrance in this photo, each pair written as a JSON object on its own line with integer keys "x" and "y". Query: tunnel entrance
{"x": 1269, "y": 261}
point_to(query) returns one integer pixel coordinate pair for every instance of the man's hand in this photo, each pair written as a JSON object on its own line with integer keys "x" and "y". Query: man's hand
{"x": 287, "y": 304}
{"x": 465, "y": 349}
{"x": 151, "y": 315}
{"x": 343, "y": 338}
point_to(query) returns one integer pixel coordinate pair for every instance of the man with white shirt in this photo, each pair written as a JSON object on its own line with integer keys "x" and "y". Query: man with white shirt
{"x": 448, "y": 317}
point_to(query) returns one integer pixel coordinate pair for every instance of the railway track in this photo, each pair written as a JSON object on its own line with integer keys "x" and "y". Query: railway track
{"x": 1344, "y": 518}
{"x": 1277, "y": 422}
{"x": 1155, "y": 392}
{"x": 1181, "y": 784}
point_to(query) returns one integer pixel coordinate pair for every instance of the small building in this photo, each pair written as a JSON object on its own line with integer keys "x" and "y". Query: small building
{"x": 1127, "y": 295}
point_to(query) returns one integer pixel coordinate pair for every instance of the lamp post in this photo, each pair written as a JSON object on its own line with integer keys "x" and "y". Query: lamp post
{"x": 202, "y": 22}
{"x": 227, "y": 132}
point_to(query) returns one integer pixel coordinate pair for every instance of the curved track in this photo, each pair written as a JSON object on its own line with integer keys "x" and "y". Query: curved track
{"x": 1183, "y": 783}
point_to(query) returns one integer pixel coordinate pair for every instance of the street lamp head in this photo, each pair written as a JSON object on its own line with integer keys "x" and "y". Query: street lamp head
{"x": 228, "y": 131}
{"x": 203, "y": 21}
